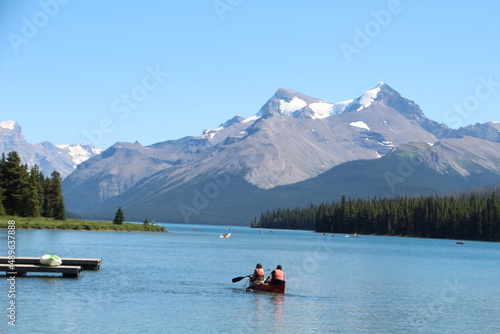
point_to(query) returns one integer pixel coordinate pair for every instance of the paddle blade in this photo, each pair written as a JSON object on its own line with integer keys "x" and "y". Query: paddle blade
{"x": 237, "y": 279}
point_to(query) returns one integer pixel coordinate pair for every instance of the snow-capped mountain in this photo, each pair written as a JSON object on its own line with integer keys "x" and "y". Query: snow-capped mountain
{"x": 297, "y": 105}
{"x": 291, "y": 139}
{"x": 48, "y": 157}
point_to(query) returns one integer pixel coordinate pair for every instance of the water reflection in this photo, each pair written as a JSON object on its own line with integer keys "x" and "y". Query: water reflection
{"x": 278, "y": 302}
{"x": 165, "y": 283}
{"x": 268, "y": 312}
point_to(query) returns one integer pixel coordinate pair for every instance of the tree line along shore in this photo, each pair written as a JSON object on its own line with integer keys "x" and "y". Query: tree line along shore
{"x": 77, "y": 224}
{"x": 35, "y": 201}
{"x": 469, "y": 216}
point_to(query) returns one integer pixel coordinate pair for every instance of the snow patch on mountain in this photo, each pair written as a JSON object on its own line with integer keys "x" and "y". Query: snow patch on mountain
{"x": 10, "y": 125}
{"x": 340, "y": 107}
{"x": 369, "y": 96}
{"x": 321, "y": 109}
{"x": 294, "y": 104}
{"x": 250, "y": 119}
{"x": 388, "y": 143}
{"x": 360, "y": 124}
{"x": 209, "y": 134}
{"x": 287, "y": 108}
{"x": 78, "y": 153}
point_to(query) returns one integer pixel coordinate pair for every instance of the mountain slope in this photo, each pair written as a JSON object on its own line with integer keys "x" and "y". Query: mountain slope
{"x": 293, "y": 138}
{"x": 413, "y": 169}
{"x": 48, "y": 157}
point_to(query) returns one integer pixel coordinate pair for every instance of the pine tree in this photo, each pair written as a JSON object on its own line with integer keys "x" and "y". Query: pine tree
{"x": 56, "y": 200}
{"x": 47, "y": 208}
{"x": 34, "y": 193}
{"x": 119, "y": 217}
{"x": 41, "y": 189}
{"x": 60, "y": 210}
{"x": 31, "y": 199}
{"x": 14, "y": 178}
{"x": 2, "y": 197}
{"x": 2, "y": 190}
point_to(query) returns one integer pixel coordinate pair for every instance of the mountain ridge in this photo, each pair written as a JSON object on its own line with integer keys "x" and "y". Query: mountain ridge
{"x": 291, "y": 139}
{"x": 213, "y": 198}
{"x": 47, "y": 156}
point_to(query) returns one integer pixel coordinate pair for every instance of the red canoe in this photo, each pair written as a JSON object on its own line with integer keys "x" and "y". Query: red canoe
{"x": 268, "y": 288}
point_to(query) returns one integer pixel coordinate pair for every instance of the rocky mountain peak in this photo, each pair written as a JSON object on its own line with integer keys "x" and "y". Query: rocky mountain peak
{"x": 48, "y": 157}
{"x": 391, "y": 98}
{"x": 10, "y": 125}
{"x": 11, "y": 131}
{"x": 294, "y": 104}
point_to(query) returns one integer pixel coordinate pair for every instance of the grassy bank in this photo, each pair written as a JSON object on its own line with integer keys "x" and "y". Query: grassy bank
{"x": 76, "y": 224}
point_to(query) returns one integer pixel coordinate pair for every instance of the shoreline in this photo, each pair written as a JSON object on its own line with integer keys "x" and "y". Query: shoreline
{"x": 82, "y": 229}
{"x": 42, "y": 223}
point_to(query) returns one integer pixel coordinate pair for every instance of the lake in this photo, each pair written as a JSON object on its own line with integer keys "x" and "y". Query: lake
{"x": 180, "y": 282}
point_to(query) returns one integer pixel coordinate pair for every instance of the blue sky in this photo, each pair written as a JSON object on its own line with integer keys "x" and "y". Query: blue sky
{"x": 108, "y": 71}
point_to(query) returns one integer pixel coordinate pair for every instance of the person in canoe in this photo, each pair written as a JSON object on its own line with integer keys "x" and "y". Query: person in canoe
{"x": 258, "y": 275}
{"x": 277, "y": 276}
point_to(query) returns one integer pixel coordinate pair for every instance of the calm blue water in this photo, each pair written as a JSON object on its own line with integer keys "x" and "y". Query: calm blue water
{"x": 180, "y": 282}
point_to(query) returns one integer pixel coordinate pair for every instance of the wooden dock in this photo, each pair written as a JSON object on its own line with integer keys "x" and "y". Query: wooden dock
{"x": 70, "y": 267}
{"x": 23, "y": 269}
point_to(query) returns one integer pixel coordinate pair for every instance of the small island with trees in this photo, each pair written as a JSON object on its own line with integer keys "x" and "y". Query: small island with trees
{"x": 35, "y": 201}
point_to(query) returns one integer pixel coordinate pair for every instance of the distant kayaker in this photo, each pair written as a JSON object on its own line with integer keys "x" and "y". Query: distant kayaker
{"x": 258, "y": 275}
{"x": 277, "y": 276}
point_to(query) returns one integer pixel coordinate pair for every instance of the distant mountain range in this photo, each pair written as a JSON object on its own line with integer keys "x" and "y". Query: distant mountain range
{"x": 294, "y": 151}
{"x": 48, "y": 157}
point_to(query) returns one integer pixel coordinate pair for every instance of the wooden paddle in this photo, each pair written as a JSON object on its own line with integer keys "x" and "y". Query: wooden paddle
{"x": 237, "y": 279}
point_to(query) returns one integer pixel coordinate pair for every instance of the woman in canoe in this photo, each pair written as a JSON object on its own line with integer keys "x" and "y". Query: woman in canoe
{"x": 258, "y": 275}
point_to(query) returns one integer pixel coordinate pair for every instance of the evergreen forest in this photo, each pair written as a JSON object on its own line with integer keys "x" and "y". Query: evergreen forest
{"x": 471, "y": 216}
{"x": 27, "y": 192}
